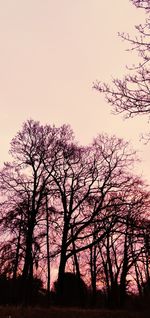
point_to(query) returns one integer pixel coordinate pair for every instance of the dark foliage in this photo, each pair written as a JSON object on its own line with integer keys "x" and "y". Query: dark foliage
{"x": 19, "y": 291}
{"x": 74, "y": 291}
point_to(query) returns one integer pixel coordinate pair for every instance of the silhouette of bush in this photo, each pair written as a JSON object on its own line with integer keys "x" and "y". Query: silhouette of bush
{"x": 18, "y": 291}
{"x": 73, "y": 292}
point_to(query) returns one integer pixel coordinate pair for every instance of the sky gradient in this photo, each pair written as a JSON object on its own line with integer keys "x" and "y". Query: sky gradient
{"x": 51, "y": 53}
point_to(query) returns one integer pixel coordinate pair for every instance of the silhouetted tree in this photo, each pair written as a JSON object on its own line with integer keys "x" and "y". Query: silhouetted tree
{"x": 131, "y": 97}
{"x": 89, "y": 176}
{"x": 26, "y": 178}
{"x": 144, "y": 4}
{"x": 119, "y": 251}
{"x": 131, "y": 94}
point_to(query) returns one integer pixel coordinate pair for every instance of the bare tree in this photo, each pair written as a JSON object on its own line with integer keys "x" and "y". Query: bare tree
{"x": 130, "y": 95}
{"x": 117, "y": 253}
{"x": 144, "y": 4}
{"x": 26, "y": 179}
{"x": 84, "y": 178}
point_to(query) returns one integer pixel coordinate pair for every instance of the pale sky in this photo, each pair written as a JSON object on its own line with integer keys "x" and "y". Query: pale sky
{"x": 51, "y": 51}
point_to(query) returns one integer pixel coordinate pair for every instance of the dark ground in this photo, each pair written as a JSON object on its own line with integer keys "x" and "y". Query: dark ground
{"x": 35, "y": 312}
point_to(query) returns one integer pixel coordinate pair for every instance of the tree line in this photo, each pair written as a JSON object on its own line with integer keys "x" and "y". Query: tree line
{"x": 76, "y": 209}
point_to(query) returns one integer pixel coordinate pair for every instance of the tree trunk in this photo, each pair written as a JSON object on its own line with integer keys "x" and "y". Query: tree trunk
{"x": 27, "y": 273}
{"x": 62, "y": 264}
{"x": 28, "y": 263}
{"x": 48, "y": 252}
{"x": 77, "y": 269}
{"x": 17, "y": 251}
{"x": 124, "y": 274}
{"x": 93, "y": 273}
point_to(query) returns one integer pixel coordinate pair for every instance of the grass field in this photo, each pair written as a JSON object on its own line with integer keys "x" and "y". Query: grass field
{"x": 21, "y": 312}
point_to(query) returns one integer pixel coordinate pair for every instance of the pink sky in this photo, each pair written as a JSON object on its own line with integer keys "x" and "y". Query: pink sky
{"x": 51, "y": 52}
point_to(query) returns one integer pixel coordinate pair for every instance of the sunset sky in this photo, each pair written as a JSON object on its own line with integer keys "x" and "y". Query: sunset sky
{"x": 51, "y": 53}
